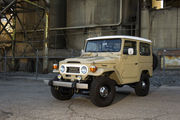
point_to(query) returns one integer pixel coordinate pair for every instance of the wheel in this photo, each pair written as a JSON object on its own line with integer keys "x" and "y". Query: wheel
{"x": 142, "y": 87}
{"x": 102, "y": 91}
{"x": 62, "y": 93}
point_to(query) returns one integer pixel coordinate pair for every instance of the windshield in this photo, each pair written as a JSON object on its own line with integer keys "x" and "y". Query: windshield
{"x": 104, "y": 45}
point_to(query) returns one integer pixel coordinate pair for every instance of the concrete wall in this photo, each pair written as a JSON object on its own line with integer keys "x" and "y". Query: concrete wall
{"x": 96, "y": 12}
{"x": 57, "y": 19}
{"x": 130, "y": 11}
{"x": 164, "y": 28}
{"x": 90, "y": 12}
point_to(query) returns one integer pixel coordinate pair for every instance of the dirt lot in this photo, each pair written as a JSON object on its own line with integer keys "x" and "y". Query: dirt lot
{"x": 24, "y": 98}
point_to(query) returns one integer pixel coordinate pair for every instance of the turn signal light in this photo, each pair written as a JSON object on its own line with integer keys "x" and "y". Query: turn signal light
{"x": 93, "y": 68}
{"x": 55, "y": 66}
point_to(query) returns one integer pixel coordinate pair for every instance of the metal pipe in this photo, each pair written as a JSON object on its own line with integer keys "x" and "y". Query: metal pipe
{"x": 7, "y": 6}
{"x": 177, "y": 29}
{"x": 94, "y": 26}
{"x": 164, "y": 62}
{"x": 40, "y": 57}
{"x": 91, "y": 26}
{"x": 68, "y": 28}
{"x": 37, "y": 61}
{"x": 34, "y": 4}
{"x": 14, "y": 41}
{"x": 139, "y": 24}
{"x": 46, "y": 36}
{"x": 5, "y": 60}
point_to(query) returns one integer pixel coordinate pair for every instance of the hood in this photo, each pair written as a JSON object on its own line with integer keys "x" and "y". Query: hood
{"x": 92, "y": 59}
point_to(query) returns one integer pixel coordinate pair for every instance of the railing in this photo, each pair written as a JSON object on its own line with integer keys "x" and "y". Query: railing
{"x": 38, "y": 56}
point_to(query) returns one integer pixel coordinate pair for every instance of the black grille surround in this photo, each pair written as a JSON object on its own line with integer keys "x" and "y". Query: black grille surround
{"x": 73, "y": 62}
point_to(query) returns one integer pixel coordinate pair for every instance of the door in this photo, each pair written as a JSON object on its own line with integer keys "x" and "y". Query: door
{"x": 130, "y": 63}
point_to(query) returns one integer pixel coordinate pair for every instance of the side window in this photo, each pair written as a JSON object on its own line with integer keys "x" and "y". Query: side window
{"x": 144, "y": 49}
{"x": 129, "y": 44}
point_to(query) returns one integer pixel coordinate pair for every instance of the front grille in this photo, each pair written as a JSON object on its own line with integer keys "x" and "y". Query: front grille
{"x": 73, "y": 70}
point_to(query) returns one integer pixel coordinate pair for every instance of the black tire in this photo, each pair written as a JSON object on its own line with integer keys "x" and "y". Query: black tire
{"x": 142, "y": 87}
{"x": 155, "y": 61}
{"x": 62, "y": 93}
{"x": 105, "y": 98}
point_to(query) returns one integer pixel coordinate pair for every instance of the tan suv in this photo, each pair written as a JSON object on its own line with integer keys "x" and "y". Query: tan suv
{"x": 105, "y": 62}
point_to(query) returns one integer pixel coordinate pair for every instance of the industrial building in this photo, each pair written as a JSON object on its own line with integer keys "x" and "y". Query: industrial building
{"x": 36, "y": 33}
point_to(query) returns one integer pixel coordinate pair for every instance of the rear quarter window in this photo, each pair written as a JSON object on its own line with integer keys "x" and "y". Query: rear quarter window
{"x": 144, "y": 49}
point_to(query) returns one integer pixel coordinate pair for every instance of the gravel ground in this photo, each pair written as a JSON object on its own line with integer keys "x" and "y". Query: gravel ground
{"x": 168, "y": 77}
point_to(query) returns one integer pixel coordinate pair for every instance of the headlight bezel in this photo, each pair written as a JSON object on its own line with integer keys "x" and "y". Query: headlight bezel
{"x": 62, "y": 69}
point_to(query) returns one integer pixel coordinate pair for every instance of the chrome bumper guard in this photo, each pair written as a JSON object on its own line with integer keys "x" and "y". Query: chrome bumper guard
{"x": 68, "y": 84}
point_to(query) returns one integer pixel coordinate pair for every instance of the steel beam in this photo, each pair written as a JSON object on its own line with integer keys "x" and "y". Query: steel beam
{"x": 34, "y": 4}
{"x": 14, "y": 42}
{"x": 8, "y": 22}
{"x": 7, "y": 7}
{"x": 46, "y": 35}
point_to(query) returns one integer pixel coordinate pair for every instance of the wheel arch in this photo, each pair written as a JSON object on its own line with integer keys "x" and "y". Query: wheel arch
{"x": 109, "y": 74}
{"x": 113, "y": 76}
{"x": 145, "y": 72}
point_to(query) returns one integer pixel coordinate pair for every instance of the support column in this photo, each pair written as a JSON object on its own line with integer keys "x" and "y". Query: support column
{"x": 13, "y": 42}
{"x": 45, "y": 45}
{"x": 145, "y": 20}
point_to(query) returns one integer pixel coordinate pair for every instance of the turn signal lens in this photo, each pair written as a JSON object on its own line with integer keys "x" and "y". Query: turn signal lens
{"x": 93, "y": 68}
{"x": 59, "y": 76}
{"x": 79, "y": 78}
{"x": 55, "y": 66}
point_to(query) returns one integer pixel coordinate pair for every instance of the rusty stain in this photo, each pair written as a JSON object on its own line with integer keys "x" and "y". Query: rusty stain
{"x": 169, "y": 53}
{"x": 171, "y": 62}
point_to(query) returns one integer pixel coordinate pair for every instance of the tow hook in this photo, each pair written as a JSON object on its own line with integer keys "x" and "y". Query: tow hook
{"x": 50, "y": 83}
{"x": 74, "y": 84}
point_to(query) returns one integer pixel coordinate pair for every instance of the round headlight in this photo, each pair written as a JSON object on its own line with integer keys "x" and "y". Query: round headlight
{"x": 62, "y": 68}
{"x": 84, "y": 69}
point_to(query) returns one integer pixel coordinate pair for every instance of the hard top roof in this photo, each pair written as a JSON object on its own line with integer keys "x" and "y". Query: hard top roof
{"x": 120, "y": 36}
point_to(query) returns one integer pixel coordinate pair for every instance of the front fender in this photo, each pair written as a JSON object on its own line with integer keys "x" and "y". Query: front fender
{"x": 100, "y": 71}
{"x": 115, "y": 75}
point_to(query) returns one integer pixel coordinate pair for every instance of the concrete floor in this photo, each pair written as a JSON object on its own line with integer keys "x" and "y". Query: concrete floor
{"x": 32, "y": 100}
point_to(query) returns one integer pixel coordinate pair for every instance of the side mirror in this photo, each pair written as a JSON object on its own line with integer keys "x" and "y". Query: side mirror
{"x": 130, "y": 51}
{"x": 82, "y": 51}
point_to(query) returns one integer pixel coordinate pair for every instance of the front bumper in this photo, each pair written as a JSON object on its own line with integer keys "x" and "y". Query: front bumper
{"x": 68, "y": 84}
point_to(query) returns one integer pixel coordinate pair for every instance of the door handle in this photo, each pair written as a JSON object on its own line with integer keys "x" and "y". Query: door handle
{"x": 136, "y": 63}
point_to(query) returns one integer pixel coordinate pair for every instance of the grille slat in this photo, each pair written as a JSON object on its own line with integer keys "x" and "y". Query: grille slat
{"x": 73, "y": 70}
